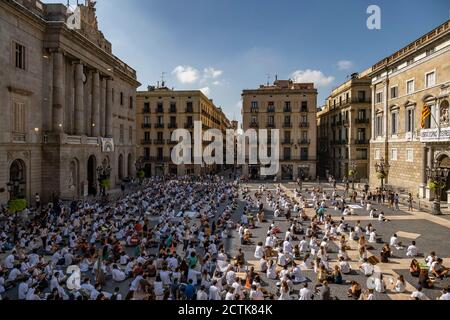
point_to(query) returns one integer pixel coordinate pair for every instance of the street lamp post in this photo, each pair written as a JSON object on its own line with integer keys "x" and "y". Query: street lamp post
{"x": 139, "y": 167}
{"x": 382, "y": 168}
{"x": 437, "y": 177}
{"x": 353, "y": 166}
{"x": 103, "y": 173}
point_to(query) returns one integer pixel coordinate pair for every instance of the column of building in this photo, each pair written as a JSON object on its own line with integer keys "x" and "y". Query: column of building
{"x": 58, "y": 92}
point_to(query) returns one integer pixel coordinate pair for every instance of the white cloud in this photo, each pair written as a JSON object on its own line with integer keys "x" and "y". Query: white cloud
{"x": 316, "y": 76}
{"x": 212, "y": 73}
{"x": 345, "y": 64}
{"x": 206, "y": 91}
{"x": 186, "y": 74}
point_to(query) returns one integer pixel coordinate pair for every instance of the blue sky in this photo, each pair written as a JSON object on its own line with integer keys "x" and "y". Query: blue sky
{"x": 225, "y": 46}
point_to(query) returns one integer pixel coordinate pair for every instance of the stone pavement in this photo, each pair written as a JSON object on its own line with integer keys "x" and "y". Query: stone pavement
{"x": 430, "y": 232}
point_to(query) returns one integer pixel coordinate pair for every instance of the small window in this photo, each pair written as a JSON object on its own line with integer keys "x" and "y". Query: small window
{"x": 394, "y": 124}
{"x": 410, "y": 86}
{"x": 394, "y": 154}
{"x": 121, "y": 98}
{"x": 379, "y": 97}
{"x": 394, "y": 92}
{"x": 377, "y": 154}
{"x": 130, "y": 135}
{"x": 131, "y": 103}
{"x": 430, "y": 79}
{"x": 410, "y": 155}
{"x": 19, "y": 56}
{"x": 121, "y": 134}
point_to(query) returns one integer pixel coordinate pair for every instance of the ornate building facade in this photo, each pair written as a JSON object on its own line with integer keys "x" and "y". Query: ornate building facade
{"x": 404, "y": 83}
{"x": 68, "y": 104}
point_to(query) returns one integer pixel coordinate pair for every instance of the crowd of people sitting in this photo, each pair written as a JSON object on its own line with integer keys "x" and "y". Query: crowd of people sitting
{"x": 172, "y": 240}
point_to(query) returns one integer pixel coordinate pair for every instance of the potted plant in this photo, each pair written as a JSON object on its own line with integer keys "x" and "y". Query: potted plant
{"x": 435, "y": 186}
{"x": 381, "y": 176}
{"x": 105, "y": 184}
{"x": 17, "y": 205}
{"x": 141, "y": 174}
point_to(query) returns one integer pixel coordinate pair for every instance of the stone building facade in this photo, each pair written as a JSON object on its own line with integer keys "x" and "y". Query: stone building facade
{"x": 160, "y": 111}
{"x": 68, "y": 103}
{"x": 402, "y": 85}
{"x": 344, "y": 130}
{"x": 290, "y": 108}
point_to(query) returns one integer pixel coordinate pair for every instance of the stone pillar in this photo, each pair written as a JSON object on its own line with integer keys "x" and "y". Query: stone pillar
{"x": 109, "y": 109}
{"x": 79, "y": 100}
{"x": 58, "y": 92}
{"x": 102, "y": 107}
{"x": 373, "y": 115}
{"x": 88, "y": 104}
{"x": 95, "y": 104}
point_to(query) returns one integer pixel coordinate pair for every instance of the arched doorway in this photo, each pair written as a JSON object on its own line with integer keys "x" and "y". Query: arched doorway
{"x": 17, "y": 180}
{"x": 444, "y": 162}
{"x": 92, "y": 175}
{"x": 130, "y": 165}
{"x": 120, "y": 173}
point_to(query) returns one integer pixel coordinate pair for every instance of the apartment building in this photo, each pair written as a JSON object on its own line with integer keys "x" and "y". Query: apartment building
{"x": 290, "y": 108}
{"x": 161, "y": 111}
{"x": 344, "y": 130}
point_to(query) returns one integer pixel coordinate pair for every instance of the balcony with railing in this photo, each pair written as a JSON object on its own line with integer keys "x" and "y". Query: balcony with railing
{"x": 159, "y": 142}
{"x": 304, "y": 142}
{"x": 362, "y": 121}
{"x": 159, "y": 110}
{"x": 362, "y": 142}
{"x": 172, "y": 125}
{"x": 159, "y": 126}
{"x": 173, "y": 110}
{"x": 271, "y": 110}
{"x": 271, "y": 125}
{"x": 287, "y": 141}
{"x": 254, "y": 125}
{"x": 146, "y": 110}
{"x": 146, "y": 126}
{"x": 287, "y": 125}
{"x": 287, "y": 110}
{"x": 189, "y": 125}
{"x": 304, "y": 124}
{"x": 189, "y": 110}
{"x": 146, "y": 142}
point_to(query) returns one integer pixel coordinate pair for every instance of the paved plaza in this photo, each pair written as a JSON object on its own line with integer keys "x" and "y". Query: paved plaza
{"x": 430, "y": 233}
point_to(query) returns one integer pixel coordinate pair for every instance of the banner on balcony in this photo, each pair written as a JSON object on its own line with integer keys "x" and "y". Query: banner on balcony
{"x": 107, "y": 145}
{"x": 435, "y": 135}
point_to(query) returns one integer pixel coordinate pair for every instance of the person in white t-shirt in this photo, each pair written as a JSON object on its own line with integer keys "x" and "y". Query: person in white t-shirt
{"x": 230, "y": 295}
{"x": 412, "y": 250}
{"x": 445, "y": 294}
{"x": 214, "y": 293}
{"x": 367, "y": 268}
{"x": 418, "y": 294}
{"x": 259, "y": 251}
{"x": 306, "y": 293}
{"x": 201, "y": 294}
{"x": 117, "y": 274}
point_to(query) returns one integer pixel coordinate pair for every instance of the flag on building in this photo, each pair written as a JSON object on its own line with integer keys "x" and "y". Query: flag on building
{"x": 426, "y": 113}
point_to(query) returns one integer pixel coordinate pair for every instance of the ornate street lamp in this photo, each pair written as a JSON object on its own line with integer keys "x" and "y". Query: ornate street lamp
{"x": 353, "y": 172}
{"x": 437, "y": 178}
{"x": 103, "y": 174}
{"x": 382, "y": 170}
